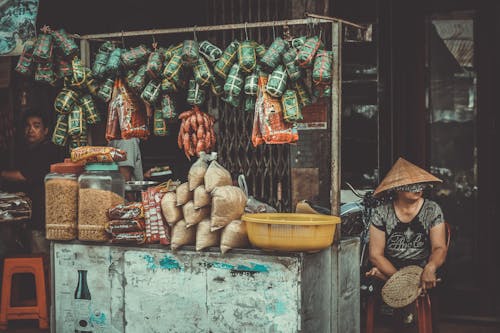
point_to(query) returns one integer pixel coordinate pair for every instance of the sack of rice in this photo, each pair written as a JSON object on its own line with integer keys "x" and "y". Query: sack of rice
{"x": 168, "y": 107}
{"x": 206, "y": 238}
{"x": 276, "y": 84}
{"x": 196, "y": 175}
{"x": 201, "y": 197}
{"x": 228, "y": 203}
{"x": 246, "y": 56}
{"x": 190, "y": 52}
{"x": 154, "y": 65}
{"x": 106, "y": 90}
{"x": 234, "y": 81}
{"x": 217, "y": 86}
{"x": 151, "y": 92}
{"x": 90, "y": 112}
{"x": 322, "y": 70}
{"x": 181, "y": 235}
{"x": 196, "y": 94}
{"x": 291, "y": 107}
{"x": 138, "y": 82}
{"x": 168, "y": 86}
{"x": 159, "y": 125}
{"x": 202, "y": 73}
{"x": 193, "y": 216}
{"x": 272, "y": 58}
{"x": 45, "y": 73}
{"x": 234, "y": 236}
{"x": 43, "y": 50}
{"x": 65, "y": 101}
{"x": 169, "y": 208}
{"x": 216, "y": 175}
{"x": 249, "y": 104}
{"x": 64, "y": 42}
{"x": 183, "y": 194}
{"x": 135, "y": 56}
{"x": 25, "y": 63}
{"x": 60, "y": 134}
{"x": 114, "y": 62}
{"x": 251, "y": 84}
{"x": 227, "y": 60}
{"x": 293, "y": 71}
{"x": 307, "y": 52}
{"x": 298, "y": 42}
{"x": 211, "y": 52}
{"x": 302, "y": 93}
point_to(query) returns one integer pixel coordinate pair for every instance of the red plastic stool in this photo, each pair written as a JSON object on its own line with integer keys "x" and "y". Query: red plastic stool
{"x": 32, "y": 265}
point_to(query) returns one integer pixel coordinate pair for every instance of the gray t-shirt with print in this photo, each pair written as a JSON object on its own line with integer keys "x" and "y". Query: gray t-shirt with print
{"x": 407, "y": 243}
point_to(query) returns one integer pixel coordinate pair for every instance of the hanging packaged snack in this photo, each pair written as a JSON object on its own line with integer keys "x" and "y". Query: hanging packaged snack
{"x": 171, "y": 50}
{"x": 90, "y": 111}
{"x": 298, "y": 42}
{"x": 101, "y": 60}
{"x": 106, "y": 90}
{"x": 249, "y": 104}
{"x": 168, "y": 86}
{"x": 217, "y": 86}
{"x": 159, "y": 125}
{"x": 272, "y": 58}
{"x": 226, "y": 61}
{"x": 65, "y": 101}
{"x": 251, "y": 84}
{"x": 79, "y": 73}
{"x": 60, "y": 134}
{"x": 173, "y": 67}
{"x": 234, "y": 101}
{"x": 276, "y": 83}
{"x": 302, "y": 93}
{"x": 195, "y": 95}
{"x": 76, "y": 121}
{"x": 131, "y": 211}
{"x": 64, "y": 42}
{"x": 92, "y": 85}
{"x": 246, "y": 56}
{"x": 113, "y": 123}
{"x": 43, "y": 49}
{"x": 96, "y": 154}
{"x": 190, "y": 52}
{"x": 168, "y": 107}
{"x": 202, "y": 73}
{"x": 151, "y": 93}
{"x": 260, "y": 50}
{"x": 322, "y": 70}
{"x": 135, "y": 56}
{"x": 234, "y": 81}
{"x": 45, "y": 72}
{"x": 131, "y": 113}
{"x": 121, "y": 226}
{"x": 154, "y": 66}
{"x": 293, "y": 71}
{"x": 138, "y": 82}
{"x": 307, "y": 52}
{"x": 25, "y": 63}
{"x": 291, "y": 108}
{"x": 114, "y": 62}
{"x": 211, "y": 52}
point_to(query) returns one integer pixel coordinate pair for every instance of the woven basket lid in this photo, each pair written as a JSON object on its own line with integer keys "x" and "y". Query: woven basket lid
{"x": 404, "y": 173}
{"x": 403, "y": 287}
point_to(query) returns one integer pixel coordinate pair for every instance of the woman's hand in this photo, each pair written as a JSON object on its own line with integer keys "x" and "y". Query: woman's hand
{"x": 428, "y": 278}
{"x": 376, "y": 273}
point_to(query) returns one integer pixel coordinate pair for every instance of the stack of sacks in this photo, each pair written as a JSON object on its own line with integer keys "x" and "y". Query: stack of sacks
{"x": 126, "y": 223}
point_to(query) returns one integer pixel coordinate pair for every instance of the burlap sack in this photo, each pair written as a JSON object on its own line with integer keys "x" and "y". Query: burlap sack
{"x": 216, "y": 175}
{"x": 169, "y": 208}
{"x": 183, "y": 194}
{"x": 196, "y": 175}
{"x": 234, "y": 235}
{"x": 201, "y": 197}
{"x": 228, "y": 204}
{"x": 194, "y": 216}
{"x": 206, "y": 238}
{"x": 181, "y": 235}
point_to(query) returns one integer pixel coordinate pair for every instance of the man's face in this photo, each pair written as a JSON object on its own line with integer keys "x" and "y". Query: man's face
{"x": 35, "y": 130}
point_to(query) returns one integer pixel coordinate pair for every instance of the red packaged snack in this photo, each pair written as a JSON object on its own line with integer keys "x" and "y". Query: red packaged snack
{"x": 134, "y": 210}
{"x": 116, "y": 227}
{"x": 129, "y": 237}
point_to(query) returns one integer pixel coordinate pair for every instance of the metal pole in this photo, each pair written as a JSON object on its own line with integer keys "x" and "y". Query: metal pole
{"x": 336, "y": 116}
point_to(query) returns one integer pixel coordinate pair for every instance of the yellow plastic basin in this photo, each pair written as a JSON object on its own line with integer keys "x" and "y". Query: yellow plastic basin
{"x": 291, "y": 231}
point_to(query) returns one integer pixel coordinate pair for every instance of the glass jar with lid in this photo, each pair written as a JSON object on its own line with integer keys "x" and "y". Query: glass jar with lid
{"x": 61, "y": 200}
{"x": 101, "y": 186}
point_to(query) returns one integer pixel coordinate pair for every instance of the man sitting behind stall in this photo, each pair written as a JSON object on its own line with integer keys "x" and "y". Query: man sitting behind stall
{"x": 131, "y": 168}
{"x": 32, "y": 164}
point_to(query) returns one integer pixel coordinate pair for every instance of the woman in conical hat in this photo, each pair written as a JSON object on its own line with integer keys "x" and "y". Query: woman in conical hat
{"x": 409, "y": 230}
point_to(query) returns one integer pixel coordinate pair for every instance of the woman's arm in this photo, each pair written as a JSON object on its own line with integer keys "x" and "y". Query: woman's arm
{"x": 438, "y": 255}
{"x": 377, "y": 247}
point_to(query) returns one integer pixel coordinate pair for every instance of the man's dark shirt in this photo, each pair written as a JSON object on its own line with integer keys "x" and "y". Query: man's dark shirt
{"x": 34, "y": 163}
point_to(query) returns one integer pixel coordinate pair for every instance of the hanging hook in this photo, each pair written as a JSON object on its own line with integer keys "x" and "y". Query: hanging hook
{"x": 246, "y": 31}
{"x": 123, "y": 40}
{"x": 194, "y": 33}
{"x": 274, "y": 29}
{"x": 155, "y": 44}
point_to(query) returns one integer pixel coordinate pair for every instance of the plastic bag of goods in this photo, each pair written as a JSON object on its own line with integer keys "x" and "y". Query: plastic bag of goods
{"x": 76, "y": 122}
{"x": 181, "y": 235}
{"x": 65, "y": 101}
{"x": 298, "y": 42}
{"x": 136, "y": 237}
{"x": 211, "y": 52}
{"x": 133, "y": 210}
{"x": 227, "y": 60}
{"x": 90, "y": 111}
{"x": 159, "y": 124}
{"x": 206, "y": 238}
{"x": 251, "y": 84}
{"x": 151, "y": 92}
{"x": 173, "y": 67}
{"x": 171, "y": 50}
{"x": 135, "y": 56}
{"x": 272, "y": 58}
{"x": 216, "y": 175}
{"x": 196, "y": 175}
{"x": 322, "y": 70}
{"x": 64, "y": 42}
{"x": 106, "y": 90}
{"x": 96, "y": 154}
{"x": 228, "y": 203}
{"x": 276, "y": 83}
{"x": 114, "y": 62}
{"x": 194, "y": 216}
{"x": 291, "y": 107}
{"x": 115, "y": 227}
{"x": 154, "y": 65}
{"x": 293, "y": 71}
{"x": 171, "y": 212}
{"x": 190, "y": 52}
{"x": 168, "y": 107}
{"x": 234, "y": 81}
{"x": 202, "y": 73}
{"x": 138, "y": 82}
{"x": 44, "y": 46}
{"x": 183, "y": 194}
{"x": 246, "y": 56}
{"x": 201, "y": 197}
{"x": 196, "y": 94}
{"x": 233, "y": 236}
{"x": 307, "y": 52}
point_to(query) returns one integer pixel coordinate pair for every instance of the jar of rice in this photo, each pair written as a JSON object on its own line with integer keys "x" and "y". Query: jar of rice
{"x": 101, "y": 186}
{"x": 61, "y": 200}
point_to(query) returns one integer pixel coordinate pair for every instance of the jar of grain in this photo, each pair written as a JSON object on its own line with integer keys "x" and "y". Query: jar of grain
{"x": 101, "y": 186}
{"x": 61, "y": 200}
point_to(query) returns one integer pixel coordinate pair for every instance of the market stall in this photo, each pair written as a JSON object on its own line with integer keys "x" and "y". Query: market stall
{"x": 305, "y": 281}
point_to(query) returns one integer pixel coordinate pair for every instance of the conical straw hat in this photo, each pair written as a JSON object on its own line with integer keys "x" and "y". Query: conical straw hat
{"x": 403, "y": 287}
{"x": 404, "y": 173}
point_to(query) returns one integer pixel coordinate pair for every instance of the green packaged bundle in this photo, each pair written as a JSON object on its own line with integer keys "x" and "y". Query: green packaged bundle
{"x": 246, "y": 56}
{"x": 322, "y": 90}
{"x": 234, "y": 81}
{"x": 65, "y": 101}
{"x": 202, "y": 73}
{"x": 155, "y": 65}
{"x": 190, "y": 52}
{"x": 76, "y": 121}
{"x": 114, "y": 62}
{"x": 159, "y": 124}
{"x": 249, "y": 104}
{"x": 227, "y": 60}
{"x": 138, "y": 82}
{"x": 90, "y": 112}
{"x": 79, "y": 73}
{"x": 260, "y": 50}
{"x": 78, "y": 141}
{"x": 322, "y": 70}
{"x": 302, "y": 93}
{"x": 106, "y": 90}
{"x": 195, "y": 95}
{"x": 173, "y": 49}
{"x": 251, "y": 84}
{"x": 129, "y": 75}
{"x": 92, "y": 85}
{"x": 45, "y": 72}
{"x": 276, "y": 83}
{"x": 305, "y": 56}
{"x": 234, "y": 101}
{"x": 135, "y": 56}
{"x": 291, "y": 107}
{"x": 43, "y": 49}
{"x": 168, "y": 86}
{"x": 152, "y": 91}
{"x": 217, "y": 86}
{"x": 25, "y": 63}
{"x": 60, "y": 134}
{"x": 298, "y": 42}
{"x": 211, "y": 52}
{"x": 64, "y": 42}
{"x": 273, "y": 54}
{"x": 107, "y": 47}
{"x": 100, "y": 62}
{"x": 293, "y": 71}
{"x": 173, "y": 68}
{"x": 64, "y": 68}
{"x": 168, "y": 107}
